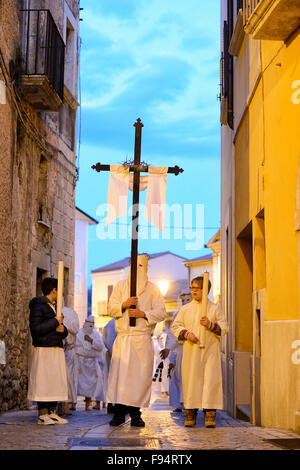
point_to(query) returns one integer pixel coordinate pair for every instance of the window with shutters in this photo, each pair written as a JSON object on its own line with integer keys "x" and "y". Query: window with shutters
{"x": 226, "y": 70}
{"x": 43, "y": 57}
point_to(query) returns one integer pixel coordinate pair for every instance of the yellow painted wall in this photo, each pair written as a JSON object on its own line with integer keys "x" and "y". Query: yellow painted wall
{"x": 267, "y": 150}
{"x": 259, "y": 175}
{"x": 282, "y": 150}
{"x": 242, "y": 183}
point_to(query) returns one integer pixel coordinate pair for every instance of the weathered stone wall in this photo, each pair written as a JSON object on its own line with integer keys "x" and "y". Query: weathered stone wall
{"x": 74, "y": 6}
{"x": 30, "y": 188}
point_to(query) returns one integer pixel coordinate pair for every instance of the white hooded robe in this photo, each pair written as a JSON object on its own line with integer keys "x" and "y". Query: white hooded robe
{"x": 90, "y": 380}
{"x": 130, "y": 374}
{"x": 201, "y": 375}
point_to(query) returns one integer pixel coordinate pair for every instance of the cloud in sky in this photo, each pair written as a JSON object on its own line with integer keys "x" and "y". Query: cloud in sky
{"x": 157, "y": 60}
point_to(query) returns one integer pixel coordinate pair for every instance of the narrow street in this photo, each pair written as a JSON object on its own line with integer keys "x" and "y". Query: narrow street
{"x": 90, "y": 430}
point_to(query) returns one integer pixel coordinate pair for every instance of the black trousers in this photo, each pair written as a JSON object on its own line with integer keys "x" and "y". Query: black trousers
{"x": 122, "y": 410}
{"x": 46, "y": 407}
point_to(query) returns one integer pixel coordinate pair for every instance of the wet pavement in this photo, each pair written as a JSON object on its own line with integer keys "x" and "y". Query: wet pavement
{"x": 164, "y": 431}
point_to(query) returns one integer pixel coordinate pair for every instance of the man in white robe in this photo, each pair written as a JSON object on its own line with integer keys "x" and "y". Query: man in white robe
{"x": 130, "y": 374}
{"x": 201, "y": 371}
{"x": 71, "y": 320}
{"x": 88, "y": 347}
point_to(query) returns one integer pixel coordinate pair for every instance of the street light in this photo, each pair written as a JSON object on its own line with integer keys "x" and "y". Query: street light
{"x": 163, "y": 286}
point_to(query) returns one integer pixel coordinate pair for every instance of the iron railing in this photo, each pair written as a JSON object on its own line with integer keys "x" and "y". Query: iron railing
{"x": 43, "y": 48}
{"x": 248, "y": 8}
{"x": 239, "y": 5}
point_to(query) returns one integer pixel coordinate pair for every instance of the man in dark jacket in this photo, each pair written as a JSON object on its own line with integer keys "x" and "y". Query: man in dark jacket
{"x": 48, "y": 376}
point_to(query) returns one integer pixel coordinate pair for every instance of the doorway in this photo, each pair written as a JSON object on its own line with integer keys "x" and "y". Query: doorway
{"x": 40, "y": 275}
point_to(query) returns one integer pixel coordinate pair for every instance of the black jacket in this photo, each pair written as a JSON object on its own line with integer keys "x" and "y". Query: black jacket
{"x": 43, "y": 324}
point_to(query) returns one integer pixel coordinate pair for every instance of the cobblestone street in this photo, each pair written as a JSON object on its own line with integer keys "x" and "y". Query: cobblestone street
{"x": 90, "y": 430}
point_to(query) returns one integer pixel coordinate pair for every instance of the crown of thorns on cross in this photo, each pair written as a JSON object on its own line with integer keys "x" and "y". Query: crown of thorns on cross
{"x": 130, "y": 162}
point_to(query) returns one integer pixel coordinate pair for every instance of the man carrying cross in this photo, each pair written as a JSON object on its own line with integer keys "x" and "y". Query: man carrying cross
{"x": 136, "y": 303}
{"x": 130, "y": 373}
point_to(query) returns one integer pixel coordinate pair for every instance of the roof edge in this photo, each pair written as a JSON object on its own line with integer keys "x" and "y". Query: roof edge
{"x": 94, "y": 221}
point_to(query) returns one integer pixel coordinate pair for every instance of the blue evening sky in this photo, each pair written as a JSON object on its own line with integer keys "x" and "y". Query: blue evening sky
{"x": 158, "y": 61}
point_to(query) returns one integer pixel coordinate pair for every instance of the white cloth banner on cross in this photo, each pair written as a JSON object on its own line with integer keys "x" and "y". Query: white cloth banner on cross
{"x": 143, "y": 182}
{"x": 156, "y": 196}
{"x": 117, "y": 192}
{"x": 120, "y": 181}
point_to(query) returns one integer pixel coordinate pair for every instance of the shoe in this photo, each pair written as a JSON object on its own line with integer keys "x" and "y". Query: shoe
{"x": 117, "y": 421}
{"x": 190, "y": 418}
{"x": 67, "y": 411}
{"x": 110, "y": 409}
{"x": 139, "y": 423}
{"x": 210, "y": 419}
{"x": 177, "y": 410}
{"x": 45, "y": 420}
{"x": 57, "y": 419}
{"x": 87, "y": 405}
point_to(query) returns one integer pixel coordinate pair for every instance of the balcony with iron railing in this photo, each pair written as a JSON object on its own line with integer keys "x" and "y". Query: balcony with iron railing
{"x": 43, "y": 56}
{"x": 248, "y": 8}
{"x": 271, "y": 19}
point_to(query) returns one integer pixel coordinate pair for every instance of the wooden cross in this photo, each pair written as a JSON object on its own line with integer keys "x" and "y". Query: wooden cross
{"x": 136, "y": 169}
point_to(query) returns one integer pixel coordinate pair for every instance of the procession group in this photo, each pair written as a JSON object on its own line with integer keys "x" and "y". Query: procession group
{"x": 119, "y": 367}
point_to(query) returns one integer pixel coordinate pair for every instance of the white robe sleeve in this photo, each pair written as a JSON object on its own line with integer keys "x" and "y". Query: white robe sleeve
{"x": 72, "y": 324}
{"x": 157, "y": 312}
{"x": 97, "y": 345}
{"x": 114, "y": 307}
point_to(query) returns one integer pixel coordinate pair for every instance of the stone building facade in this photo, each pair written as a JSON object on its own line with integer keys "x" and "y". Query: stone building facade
{"x": 38, "y": 77}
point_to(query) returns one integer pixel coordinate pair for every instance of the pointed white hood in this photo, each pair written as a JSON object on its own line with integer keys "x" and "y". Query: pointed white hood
{"x": 88, "y": 326}
{"x": 142, "y": 277}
